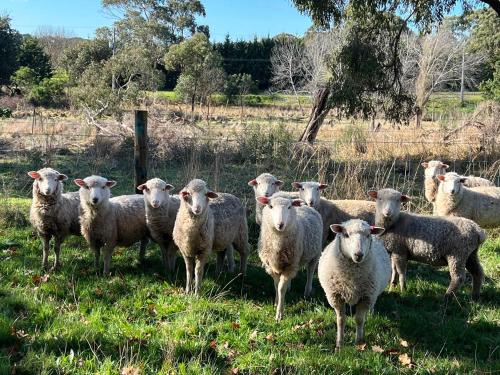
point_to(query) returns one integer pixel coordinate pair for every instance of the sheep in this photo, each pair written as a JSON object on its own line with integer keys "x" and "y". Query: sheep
{"x": 354, "y": 269}
{"x": 109, "y": 222}
{"x": 209, "y": 221}
{"x": 432, "y": 169}
{"x": 290, "y": 237}
{"x": 334, "y": 211}
{"x": 53, "y": 214}
{"x": 481, "y": 204}
{"x": 161, "y": 211}
{"x": 265, "y": 185}
{"x": 438, "y": 241}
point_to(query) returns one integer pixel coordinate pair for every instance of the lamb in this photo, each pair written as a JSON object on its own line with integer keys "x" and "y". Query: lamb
{"x": 481, "y": 204}
{"x": 437, "y": 241}
{"x": 334, "y": 211}
{"x": 290, "y": 237}
{"x": 432, "y": 169}
{"x": 209, "y": 221}
{"x": 109, "y": 222}
{"x": 354, "y": 269}
{"x": 161, "y": 211}
{"x": 53, "y": 214}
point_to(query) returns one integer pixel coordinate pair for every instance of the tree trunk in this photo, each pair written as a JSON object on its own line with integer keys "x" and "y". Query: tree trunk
{"x": 192, "y": 104}
{"x": 318, "y": 113}
{"x": 418, "y": 117}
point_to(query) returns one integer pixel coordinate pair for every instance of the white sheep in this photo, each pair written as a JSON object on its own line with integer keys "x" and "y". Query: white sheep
{"x": 432, "y": 169}
{"x": 265, "y": 185}
{"x": 354, "y": 269}
{"x": 109, "y": 222}
{"x": 290, "y": 238}
{"x": 53, "y": 214}
{"x": 481, "y": 204}
{"x": 438, "y": 241}
{"x": 334, "y": 211}
{"x": 161, "y": 211}
{"x": 206, "y": 222}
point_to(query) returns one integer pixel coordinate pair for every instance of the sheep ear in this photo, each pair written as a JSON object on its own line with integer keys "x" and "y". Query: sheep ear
{"x": 322, "y": 186}
{"x": 211, "y": 195}
{"x": 297, "y": 202}
{"x": 169, "y": 187}
{"x": 440, "y": 177}
{"x": 80, "y": 182}
{"x": 376, "y": 231}
{"x": 373, "y": 194}
{"x": 278, "y": 183}
{"x": 296, "y": 185}
{"x": 110, "y": 183}
{"x": 34, "y": 174}
{"x": 425, "y": 165}
{"x": 405, "y": 198}
{"x": 336, "y": 228}
{"x": 252, "y": 182}
{"x": 262, "y": 200}
{"x": 62, "y": 177}
{"x": 445, "y": 166}
{"x": 141, "y": 187}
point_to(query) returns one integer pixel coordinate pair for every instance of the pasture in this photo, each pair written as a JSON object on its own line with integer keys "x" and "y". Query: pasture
{"x": 138, "y": 321}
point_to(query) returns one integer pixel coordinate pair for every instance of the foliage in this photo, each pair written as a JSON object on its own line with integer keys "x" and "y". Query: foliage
{"x": 250, "y": 57}
{"x": 32, "y": 55}
{"x": 5, "y": 112}
{"x": 24, "y": 78}
{"x": 238, "y": 85}
{"x": 491, "y": 87}
{"x": 10, "y": 41}
{"x": 50, "y": 92}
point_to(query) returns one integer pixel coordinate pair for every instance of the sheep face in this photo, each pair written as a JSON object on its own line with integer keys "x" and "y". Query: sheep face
{"x": 282, "y": 211}
{"x": 196, "y": 195}
{"x": 156, "y": 192}
{"x": 310, "y": 192}
{"x": 434, "y": 168}
{"x": 265, "y": 185}
{"x": 95, "y": 190}
{"x": 355, "y": 238}
{"x": 388, "y": 204}
{"x": 451, "y": 182}
{"x": 47, "y": 181}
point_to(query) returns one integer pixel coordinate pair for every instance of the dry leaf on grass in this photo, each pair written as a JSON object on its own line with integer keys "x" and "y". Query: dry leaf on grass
{"x": 253, "y": 335}
{"x": 235, "y": 325}
{"x": 213, "y": 344}
{"x": 129, "y": 370}
{"x": 405, "y": 360}
{"x": 377, "y": 349}
{"x": 404, "y": 343}
{"x": 361, "y": 347}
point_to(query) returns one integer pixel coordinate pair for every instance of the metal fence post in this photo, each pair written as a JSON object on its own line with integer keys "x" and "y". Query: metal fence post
{"x": 141, "y": 148}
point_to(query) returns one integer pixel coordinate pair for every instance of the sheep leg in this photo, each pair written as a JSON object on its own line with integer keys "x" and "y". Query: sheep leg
{"x": 457, "y": 274}
{"x": 401, "y": 263}
{"x": 276, "y": 279}
{"x": 220, "y": 261}
{"x": 57, "y": 252}
{"x": 97, "y": 255}
{"x": 362, "y": 309}
{"x": 189, "y": 273}
{"x": 198, "y": 274}
{"x": 142, "y": 251}
{"x": 243, "y": 251}
{"x": 170, "y": 255}
{"x": 311, "y": 269}
{"x": 394, "y": 275}
{"x": 474, "y": 267}
{"x": 339, "y": 307}
{"x": 282, "y": 285}
{"x": 230, "y": 258}
{"x": 107, "y": 253}
{"x": 45, "y": 250}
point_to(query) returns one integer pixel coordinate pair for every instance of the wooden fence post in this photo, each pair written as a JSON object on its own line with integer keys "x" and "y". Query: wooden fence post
{"x": 141, "y": 148}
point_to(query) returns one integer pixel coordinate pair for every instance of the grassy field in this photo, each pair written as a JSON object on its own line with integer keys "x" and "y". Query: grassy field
{"x": 139, "y": 321}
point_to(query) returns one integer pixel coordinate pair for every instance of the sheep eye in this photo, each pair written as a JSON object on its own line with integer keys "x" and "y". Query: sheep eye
{"x": 86, "y": 187}
{"x": 302, "y": 189}
{"x": 346, "y": 235}
{"x": 271, "y": 207}
{"x": 317, "y": 188}
{"x": 289, "y": 207}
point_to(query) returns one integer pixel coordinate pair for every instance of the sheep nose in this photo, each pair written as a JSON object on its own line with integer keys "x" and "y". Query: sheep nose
{"x": 155, "y": 203}
{"x": 95, "y": 200}
{"x": 310, "y": 204}
{"x": 196, "y": 210}
{"x": 387, "y": 213}
{"x": 280, "y": 226}
{"x": 358, "y": 257}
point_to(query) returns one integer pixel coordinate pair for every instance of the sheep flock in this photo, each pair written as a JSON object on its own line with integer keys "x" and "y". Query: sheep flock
{"x": 358, "y": 248}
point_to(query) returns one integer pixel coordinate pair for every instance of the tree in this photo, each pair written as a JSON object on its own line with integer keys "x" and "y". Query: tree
{"x": 32, "y": 55}
{"x": 10, "y": 42}
{"x": 55, "y": 41}
{"x": 192, "y": 57}
{"x": 24, "y": 79}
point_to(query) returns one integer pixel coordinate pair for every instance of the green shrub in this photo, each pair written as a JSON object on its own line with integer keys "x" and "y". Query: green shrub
{"x": 50, "y": 92}
{"x": 5, "y": 112}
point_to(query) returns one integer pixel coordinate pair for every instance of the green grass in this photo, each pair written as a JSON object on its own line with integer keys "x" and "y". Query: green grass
{"x": 77, "y": 322}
